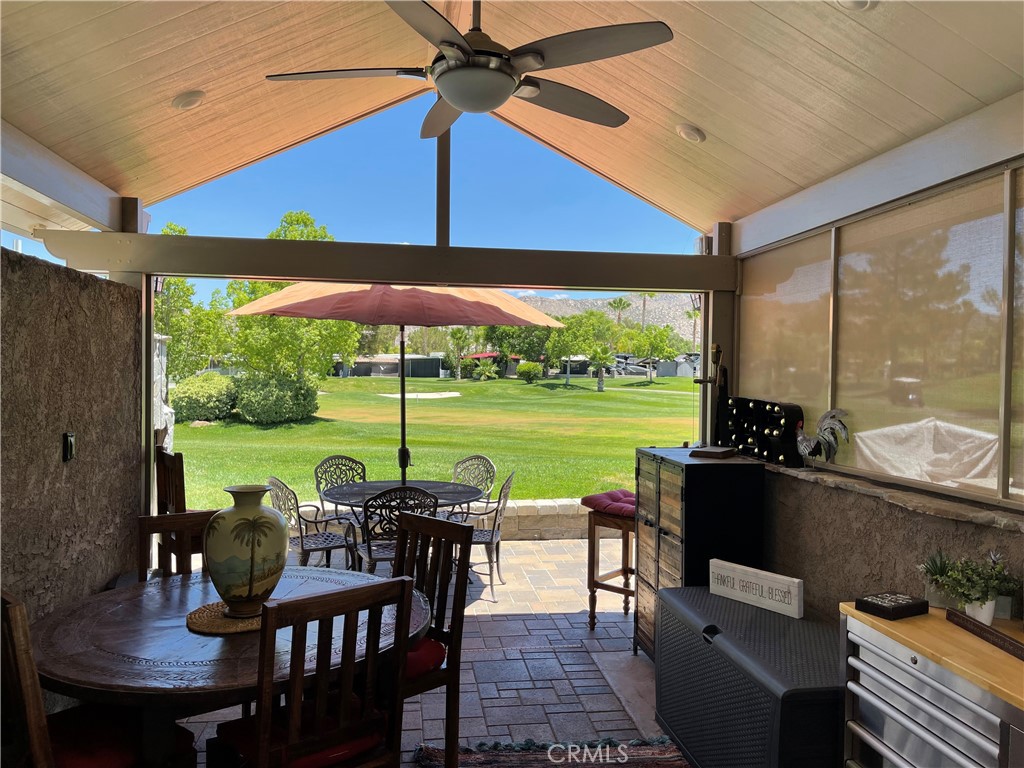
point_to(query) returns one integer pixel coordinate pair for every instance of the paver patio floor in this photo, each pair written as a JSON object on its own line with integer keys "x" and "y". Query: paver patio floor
{"x": 531, "y": 669}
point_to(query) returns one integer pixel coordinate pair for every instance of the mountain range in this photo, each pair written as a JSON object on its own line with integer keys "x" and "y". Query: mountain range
{"x": 663, "y": 309}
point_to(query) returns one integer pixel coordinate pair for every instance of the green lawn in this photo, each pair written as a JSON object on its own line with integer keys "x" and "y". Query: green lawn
{"x": 563, "y": 442}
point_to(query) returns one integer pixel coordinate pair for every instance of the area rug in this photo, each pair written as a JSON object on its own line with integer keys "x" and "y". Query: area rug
{"x": 638, "y": 753}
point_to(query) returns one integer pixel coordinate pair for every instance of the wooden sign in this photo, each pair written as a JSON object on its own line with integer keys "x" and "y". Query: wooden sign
{"x": 764, "y": 589}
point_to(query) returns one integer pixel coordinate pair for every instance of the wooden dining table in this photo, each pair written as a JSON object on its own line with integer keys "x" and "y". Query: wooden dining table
{"x": 131, "y": 647}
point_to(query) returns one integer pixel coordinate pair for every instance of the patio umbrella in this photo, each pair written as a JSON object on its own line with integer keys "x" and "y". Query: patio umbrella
{"x": 401, "y": 305}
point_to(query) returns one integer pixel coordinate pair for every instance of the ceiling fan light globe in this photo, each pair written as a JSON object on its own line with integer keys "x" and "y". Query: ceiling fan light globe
{"x": 475, "y": 89}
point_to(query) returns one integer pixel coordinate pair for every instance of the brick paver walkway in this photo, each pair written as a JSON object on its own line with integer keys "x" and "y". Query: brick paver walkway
{"x": 530, "y": 667}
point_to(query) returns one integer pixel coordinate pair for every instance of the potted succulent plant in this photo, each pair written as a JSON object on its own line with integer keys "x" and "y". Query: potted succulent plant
{"x": 1007, "y": 589}
{"x": 935, "y": 566}
{"x": 974, "y": 585}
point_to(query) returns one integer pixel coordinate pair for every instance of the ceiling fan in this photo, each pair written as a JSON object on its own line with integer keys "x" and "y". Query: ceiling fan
{"x": 472, "y": 73}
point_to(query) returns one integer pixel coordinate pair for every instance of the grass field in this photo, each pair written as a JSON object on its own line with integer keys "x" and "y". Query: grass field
{"x": 563, "y": 442}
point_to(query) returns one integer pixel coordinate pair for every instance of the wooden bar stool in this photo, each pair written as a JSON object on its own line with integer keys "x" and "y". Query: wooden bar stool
{"x": 616, "y": 510}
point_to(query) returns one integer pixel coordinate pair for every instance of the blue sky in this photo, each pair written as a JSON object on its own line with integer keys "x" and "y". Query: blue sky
{"x": 374, "y": 182}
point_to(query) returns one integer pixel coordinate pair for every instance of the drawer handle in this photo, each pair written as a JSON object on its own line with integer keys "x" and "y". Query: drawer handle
{"x": 709, "y": 633}
{"x": 952, "y": 754}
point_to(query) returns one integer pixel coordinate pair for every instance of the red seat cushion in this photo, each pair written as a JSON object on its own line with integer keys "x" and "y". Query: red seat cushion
{"x": 425, "y": 656}
{"x": 618, "y": 502}
{"x": 242, "y": 737}
{"x": 98, "y": 737}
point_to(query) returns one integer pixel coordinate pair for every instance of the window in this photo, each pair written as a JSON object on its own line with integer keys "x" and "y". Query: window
{"x": 917, "y": 343}
{"x": 784, "y": 325}
{"x": 918, "y": 339}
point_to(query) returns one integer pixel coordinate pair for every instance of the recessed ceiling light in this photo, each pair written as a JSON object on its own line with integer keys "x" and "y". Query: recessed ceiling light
{"x": 691, "y": 133}
{"x": 188, "y": 99}
{"x": 856, "y": 5}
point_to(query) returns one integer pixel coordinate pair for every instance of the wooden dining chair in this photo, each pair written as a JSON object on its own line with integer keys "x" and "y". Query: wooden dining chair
{"x": 348, "y": 711}
{"x": 379, "y": 524}
{"x": 489, "y": 536}
{"x": 177, "y": 532}
{"x": 80, "y": 737}
{"x": 435, "y": 554}
{"x": 170, "y": 494}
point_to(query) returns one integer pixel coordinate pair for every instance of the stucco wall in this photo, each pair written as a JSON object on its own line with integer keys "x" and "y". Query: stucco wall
{"x": 844, "y": 542}
{"x": 69, "y": 362}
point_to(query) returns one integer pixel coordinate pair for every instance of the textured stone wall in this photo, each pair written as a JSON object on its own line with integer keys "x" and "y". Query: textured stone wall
{"x": 69, "y": 362}
{"x": 847, "y": 538}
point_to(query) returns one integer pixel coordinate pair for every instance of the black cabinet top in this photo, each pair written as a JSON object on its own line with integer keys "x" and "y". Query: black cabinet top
{"x": 682, "y": 456}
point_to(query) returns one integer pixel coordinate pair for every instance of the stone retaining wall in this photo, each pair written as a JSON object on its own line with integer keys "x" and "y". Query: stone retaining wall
{"x": 544, "y": 519}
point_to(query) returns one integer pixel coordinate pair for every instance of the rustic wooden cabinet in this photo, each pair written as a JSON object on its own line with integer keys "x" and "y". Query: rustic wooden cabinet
{"x": 690, "y": 510}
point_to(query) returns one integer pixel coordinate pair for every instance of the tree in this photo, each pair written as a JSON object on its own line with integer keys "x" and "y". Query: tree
{"x": 575, "y": 337}
{"x": 197, "y": 336}
{"x": 289, "y": 346}
{"x": 651, "y": 342}
{"x": 619, "y": 305}
{"x": 427, "y": 340}
{"x": 644, "y": 296}
{"x": 601, "y": 357}
{"x": 901, "y": 303}
{"x": 377, "y": 339}
{"x": 458, "y": 345}
{"x": 527, "y": 341}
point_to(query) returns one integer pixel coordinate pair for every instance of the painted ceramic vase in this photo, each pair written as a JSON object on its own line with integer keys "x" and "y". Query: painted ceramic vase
{"x": 245, "y": 547}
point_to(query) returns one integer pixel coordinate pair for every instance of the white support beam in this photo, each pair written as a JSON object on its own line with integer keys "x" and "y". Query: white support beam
{"x": 386, "y": 263}
{"x": 992, "y": 135}
{"x": 34, "y": 171}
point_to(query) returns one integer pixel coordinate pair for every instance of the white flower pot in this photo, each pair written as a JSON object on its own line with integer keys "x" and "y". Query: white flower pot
{"x": 983, "y": 612}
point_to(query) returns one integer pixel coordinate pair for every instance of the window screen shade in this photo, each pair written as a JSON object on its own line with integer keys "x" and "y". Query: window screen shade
{"x": 918, "y": 338}
{"x": 1017, "y": 359}
{"x": 784, "y": 325}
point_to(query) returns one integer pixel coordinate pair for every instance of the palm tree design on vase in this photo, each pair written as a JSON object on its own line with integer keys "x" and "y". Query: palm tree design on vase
{"x": 251, "y": 532}
{"x": 213, "y": 526}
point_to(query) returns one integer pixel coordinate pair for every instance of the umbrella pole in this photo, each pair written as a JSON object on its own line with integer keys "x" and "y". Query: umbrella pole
{"x": 404, "y": 459}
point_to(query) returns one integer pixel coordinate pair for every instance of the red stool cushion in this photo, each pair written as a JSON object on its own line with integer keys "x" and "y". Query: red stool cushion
{"x": 618, "y": 502}
{"x": 425, "y": 656}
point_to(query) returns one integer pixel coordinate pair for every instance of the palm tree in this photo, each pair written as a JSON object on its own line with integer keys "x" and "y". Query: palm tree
{"x": 250, "y": 532}
{"x": 618, "y": 305}
{"x": 458, "y": 341}
{"x": 601, "y": 357}
{"x": 693, "y": 315}
{"x": 643, "y": 308}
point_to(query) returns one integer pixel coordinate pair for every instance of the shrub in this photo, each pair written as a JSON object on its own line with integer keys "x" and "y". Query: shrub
{"x": 529, "y": 372}
{"x": 207, "y": 397}
{"x": 265, "y": 399}
{"x": 485, "y": 370}
{"x": 468, "y": 366}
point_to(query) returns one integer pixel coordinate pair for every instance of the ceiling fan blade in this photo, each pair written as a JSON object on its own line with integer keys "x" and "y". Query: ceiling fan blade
{"x": 591, "y": 45}
{"x": 439, "y": 119}
{"x": 338, "y": 74}
{"x": 570, "y": 101}
{"x": 430, "y": 24}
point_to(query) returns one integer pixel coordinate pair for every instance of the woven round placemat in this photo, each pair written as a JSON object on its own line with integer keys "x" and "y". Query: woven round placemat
{"x": 210, "y": 620}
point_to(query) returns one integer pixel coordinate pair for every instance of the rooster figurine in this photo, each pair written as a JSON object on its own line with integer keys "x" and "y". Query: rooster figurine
{"x": 830, "y": 428}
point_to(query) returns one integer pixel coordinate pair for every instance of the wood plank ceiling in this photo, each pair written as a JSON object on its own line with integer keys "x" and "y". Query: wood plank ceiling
{"x": 788, "y": 93}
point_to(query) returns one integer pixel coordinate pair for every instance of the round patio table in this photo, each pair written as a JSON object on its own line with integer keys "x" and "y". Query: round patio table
{"x": 448, "y": 494}
{"x": 131, "y": 647}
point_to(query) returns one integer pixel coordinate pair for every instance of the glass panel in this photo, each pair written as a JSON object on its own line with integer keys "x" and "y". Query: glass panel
{"x": 920, "y": 290}
{"x": 1017, "y": 398}
{"x": 784, "y": 325}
